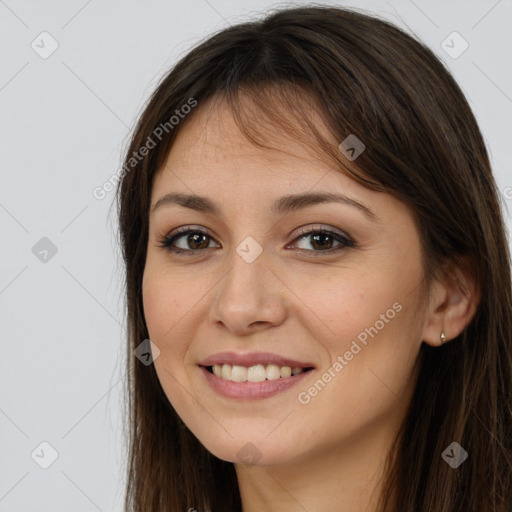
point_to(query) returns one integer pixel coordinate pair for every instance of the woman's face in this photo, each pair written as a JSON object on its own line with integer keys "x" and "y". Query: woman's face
{"x": 267, "y": 282}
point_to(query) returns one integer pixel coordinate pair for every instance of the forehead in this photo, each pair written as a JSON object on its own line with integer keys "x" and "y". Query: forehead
{"x": 211, "y": 148}
{"x": 211, "y": 157}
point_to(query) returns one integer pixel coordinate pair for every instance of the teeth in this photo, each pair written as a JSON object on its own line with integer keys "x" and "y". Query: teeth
{"x": 273, "y": 372}
{"x": 286, "y": 371}
{"x": 238, "y": 373}
{"x": 225, "y": 372}
{"x": 256, "y": 373}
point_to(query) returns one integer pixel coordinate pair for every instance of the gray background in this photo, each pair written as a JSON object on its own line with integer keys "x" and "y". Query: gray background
{"x": 64, "y": 123}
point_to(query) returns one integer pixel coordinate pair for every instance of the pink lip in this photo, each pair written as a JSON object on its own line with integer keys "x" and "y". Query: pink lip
{"x": 250, "y": 390}
{"x": 251, "y": 359}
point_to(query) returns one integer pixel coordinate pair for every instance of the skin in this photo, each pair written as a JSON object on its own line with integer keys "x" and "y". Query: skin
{"x": 308, "y": 305}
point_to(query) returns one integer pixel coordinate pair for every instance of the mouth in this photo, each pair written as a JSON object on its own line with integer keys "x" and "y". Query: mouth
{"x": 252, "y": 375}
{"x": 255, "y": 373}
{"x": 256, "y": 382}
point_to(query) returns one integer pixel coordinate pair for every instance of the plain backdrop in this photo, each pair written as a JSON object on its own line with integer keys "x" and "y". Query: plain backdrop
{"x": 64, "y": 122}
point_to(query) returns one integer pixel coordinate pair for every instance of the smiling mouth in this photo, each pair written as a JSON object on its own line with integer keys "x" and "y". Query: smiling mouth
{"x": 256, "y": 373}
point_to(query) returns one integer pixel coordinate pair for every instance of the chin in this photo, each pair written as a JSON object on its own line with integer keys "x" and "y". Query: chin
{"x": 248, "y": 450}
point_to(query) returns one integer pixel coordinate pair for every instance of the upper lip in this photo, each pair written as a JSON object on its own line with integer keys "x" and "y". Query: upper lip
{"x": 252, "y": 359}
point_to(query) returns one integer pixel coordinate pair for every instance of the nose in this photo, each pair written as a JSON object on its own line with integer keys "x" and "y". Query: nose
{"x": 249, "y": 298}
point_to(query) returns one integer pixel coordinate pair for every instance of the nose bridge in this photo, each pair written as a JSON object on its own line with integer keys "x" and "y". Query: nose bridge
{"x": 246, "y": 274}
{"x": 246, "y": 294}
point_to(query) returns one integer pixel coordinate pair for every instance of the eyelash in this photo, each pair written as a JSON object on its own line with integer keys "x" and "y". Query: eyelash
{"x": 167, "y": 241}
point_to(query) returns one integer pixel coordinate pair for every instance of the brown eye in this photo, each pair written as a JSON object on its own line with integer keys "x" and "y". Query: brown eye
{"x": 192, "y": 240}
{"x": 323, "y": 241}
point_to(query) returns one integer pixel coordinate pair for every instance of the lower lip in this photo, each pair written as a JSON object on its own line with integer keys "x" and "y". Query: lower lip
{"x": 251, "y": 390}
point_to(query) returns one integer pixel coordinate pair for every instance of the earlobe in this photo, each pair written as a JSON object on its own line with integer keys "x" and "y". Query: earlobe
{"x": 452, "y": 306}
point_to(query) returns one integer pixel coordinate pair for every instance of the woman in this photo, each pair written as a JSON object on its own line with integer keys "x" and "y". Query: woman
{"x": 314, "y": 246}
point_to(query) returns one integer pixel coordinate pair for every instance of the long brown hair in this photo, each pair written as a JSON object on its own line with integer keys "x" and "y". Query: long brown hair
{"x": 423, "y": 145}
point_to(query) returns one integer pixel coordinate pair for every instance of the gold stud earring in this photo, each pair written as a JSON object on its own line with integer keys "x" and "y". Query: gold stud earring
{"x": 443, "y": 337}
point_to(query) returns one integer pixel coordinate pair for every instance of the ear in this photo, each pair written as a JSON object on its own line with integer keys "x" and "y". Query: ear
{"x": 452, "y": 304}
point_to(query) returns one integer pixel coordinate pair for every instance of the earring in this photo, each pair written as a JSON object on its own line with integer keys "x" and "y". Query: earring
{"x": 443, "y": 337}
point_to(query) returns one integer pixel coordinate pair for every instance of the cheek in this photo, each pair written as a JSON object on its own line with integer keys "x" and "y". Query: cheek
{"x": 344, "y": 305}
{"x": 158, "y": 306}
{"x": 369, "y": 319}
{"x": 166, "y": 304}
{"x": 378, "y": 341}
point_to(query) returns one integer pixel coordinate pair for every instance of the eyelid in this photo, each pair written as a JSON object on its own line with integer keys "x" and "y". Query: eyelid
{"x": 309, "y": 228}
{"x": 185, "y": 228}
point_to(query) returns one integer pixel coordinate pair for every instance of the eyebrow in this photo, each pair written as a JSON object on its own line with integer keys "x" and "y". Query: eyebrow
{"x": 281, "y": 206}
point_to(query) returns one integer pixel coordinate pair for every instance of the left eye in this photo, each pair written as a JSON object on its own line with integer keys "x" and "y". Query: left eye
{"x": 322, "y": 240}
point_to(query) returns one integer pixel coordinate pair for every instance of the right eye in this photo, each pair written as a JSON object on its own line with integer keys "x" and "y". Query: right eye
{"x": 192, "y": 239}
